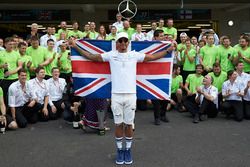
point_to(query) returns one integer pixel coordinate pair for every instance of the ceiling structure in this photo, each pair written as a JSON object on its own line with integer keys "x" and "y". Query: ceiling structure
{"x": 229, "y": 5}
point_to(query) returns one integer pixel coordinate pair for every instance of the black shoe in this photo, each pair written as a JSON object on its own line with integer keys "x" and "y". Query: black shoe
{"x": 157, "y": 121}
{"x": 164, "y": 119}
{"x": 196, "y": 119}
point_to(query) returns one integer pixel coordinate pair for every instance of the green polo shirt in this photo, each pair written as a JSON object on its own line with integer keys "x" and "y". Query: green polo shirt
{"x": 181, "y": 46}
{"x": 65, "y": 62}
{"x": 188, "y": 66}
{"x": 130, "y": 31}
{"x": 77, "y": 34}
{"x": 49, "y": 67}
{"x": 170, "y": 31}
{"x": 218, "y": 80}
{"x": 85, "y": 33}
{"x": 194, "y": 81}
{"x": 93, "y": 35}
{"x": 11, "y": 58}
{"x": 209, "y": 55}
{"x": 60, "y": 31}
{"x": 176, "y": 83}
{"x": 226, "y": 64}
{"x": 245, "y": 53}
{"x": 111, "y": 37}
{"x": 1, "y": 92}
{"x": 25, "y": 59}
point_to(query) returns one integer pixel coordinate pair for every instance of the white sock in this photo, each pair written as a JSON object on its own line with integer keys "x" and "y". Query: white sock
{"x": 118, "y": 141}
{"x": 128, "y": 142}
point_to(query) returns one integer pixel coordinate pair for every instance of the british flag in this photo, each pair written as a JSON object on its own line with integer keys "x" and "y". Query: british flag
{"x": 92, "y": 79}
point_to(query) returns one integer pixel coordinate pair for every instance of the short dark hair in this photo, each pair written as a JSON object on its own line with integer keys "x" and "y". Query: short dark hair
{"x": 38, "y": 69}
{"x": 199, "y": 65}
{"x": 158, "y": 32}
{"x": 20, "y": 44}
{"x": 230, "y": 73}
{"x": 216, "y": 64}
{"x": 8, "y": 39}
{"x": 50, "y": 40}
{"x": 55, "y": 68}
{"x": 22, "y": 70}
{"x": 34, "y": 38}
{"x": 175, "y": 67}
{"x": 239, "y": 62}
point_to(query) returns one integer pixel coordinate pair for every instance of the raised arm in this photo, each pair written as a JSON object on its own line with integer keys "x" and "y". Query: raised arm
{"x": 158, "y": 55}
{"x": 90, "y": 56}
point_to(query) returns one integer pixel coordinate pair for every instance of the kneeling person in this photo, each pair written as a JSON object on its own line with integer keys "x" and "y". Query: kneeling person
{"x": 56, "y": 89}
{"x": 207, "y": 97}
{"x": 23, "y": 107}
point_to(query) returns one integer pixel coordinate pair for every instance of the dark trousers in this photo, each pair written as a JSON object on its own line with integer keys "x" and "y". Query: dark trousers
{"x": 209, "y": 108}
{"x": 5, "y": 84}
{"x": 25, "y": 115}
{"x": 159, "y": 107}
{"x": 141, "y": 105}
{"x": 190, "y": 105}
{"x": 44, "y": 118}
{"x": 233, "y": 107}
{"x": 246, "y": 106}
{"x": 58, "y": 107}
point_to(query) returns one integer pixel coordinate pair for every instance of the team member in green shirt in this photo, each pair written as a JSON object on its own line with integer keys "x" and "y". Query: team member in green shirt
{"x": 93, "y": 34}
{"x": 9, "y": 65}
{"x": 170, "y": 30}
{"x": 188, "y": 59}
{"x": 243, "y": 53}
{"x": 219, "y": 77}
{"x": 209, "y": 54}
{"x": 182, "y": 46}
{"x": 86, "y": 31}
{"x": 63, "y": 28}
{"x": 75, "y": 32}
{"x": 130, "y": 31}
{"x": 176, "y": 89}
{"x": 50, "y": 59}
{"x": 192, "y": 82}
{"x": 64, "y": 62}
{"x": 37, "y": 54}
{"x": 226, "y": 54}
{"x": 25, "y": 59}
{"x": 112, "y": 35}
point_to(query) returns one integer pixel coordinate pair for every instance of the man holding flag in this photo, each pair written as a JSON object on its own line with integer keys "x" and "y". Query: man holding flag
{"x": 123, "y": 65}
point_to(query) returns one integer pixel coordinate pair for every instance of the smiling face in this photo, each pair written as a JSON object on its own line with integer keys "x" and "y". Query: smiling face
{"x": 122, "y": 45}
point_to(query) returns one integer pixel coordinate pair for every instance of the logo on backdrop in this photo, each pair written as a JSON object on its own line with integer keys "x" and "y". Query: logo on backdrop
{"x": 127, "y": 8}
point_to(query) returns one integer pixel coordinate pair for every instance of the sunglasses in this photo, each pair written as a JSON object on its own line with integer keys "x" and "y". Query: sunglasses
{"x": 123, "y": 40}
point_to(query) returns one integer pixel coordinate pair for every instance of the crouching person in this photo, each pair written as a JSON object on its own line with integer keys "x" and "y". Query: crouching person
{"x": 207, "y": 97}
{"x": 57, "y": 86}
{"x": 40, "y": 92}
{"x": 22, "y": 106}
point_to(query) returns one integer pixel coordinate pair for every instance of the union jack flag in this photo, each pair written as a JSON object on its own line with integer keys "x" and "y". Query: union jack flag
{"x": 92, "y": 79}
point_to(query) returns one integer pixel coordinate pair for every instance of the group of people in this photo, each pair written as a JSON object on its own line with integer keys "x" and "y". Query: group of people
{"x": 209, "y": 75}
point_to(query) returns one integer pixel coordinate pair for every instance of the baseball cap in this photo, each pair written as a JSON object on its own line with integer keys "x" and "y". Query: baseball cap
{"x": 183, "y": 34}
{"x": 61, "y": 42}
{"x": 121, "y": 35}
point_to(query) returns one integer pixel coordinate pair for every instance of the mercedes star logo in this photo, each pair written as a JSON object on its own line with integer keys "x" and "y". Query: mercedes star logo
{"x": 127, "y": 8}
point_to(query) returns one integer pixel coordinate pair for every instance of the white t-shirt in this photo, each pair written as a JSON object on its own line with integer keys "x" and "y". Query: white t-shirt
{"x": 123, "y": 70}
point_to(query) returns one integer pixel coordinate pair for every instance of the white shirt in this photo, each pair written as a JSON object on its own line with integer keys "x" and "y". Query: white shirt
{"x": 17, "y": 95}
{"x": 234, "y": 89}
{"x": 40, "y": 89}
{"x": 150, "y": 35}
{"x": 138, "y": 37}
{"x": 123, "y": 70}
{"x": 118, "y": 25}
{"x": 243, "y": 77}
{"x": 45, "y": 38}
{"x": 244, "y": 83}
{"x": 211, "y": 90}
{"x": 56, "y": 88}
